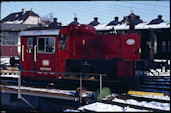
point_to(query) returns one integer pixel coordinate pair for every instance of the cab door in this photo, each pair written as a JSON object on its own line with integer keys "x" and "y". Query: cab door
{"x": 27, "y": 52}
{"x": 45, "y": 57}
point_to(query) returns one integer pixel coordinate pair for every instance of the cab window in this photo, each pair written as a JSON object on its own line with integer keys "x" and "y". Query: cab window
{"x": 62, "y": 41}
{"x": 29, "y": 42}
{"x": 46, "y": 45}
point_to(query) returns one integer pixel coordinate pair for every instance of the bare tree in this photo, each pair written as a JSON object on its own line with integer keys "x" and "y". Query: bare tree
{"x": 48, "y": 18}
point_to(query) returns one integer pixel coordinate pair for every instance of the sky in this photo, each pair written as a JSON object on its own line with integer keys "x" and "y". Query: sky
{"x": 85, "y": 11}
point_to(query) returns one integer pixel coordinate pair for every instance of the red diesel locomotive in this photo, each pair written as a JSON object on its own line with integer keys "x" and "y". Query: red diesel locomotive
{"x": 78, "y": 49}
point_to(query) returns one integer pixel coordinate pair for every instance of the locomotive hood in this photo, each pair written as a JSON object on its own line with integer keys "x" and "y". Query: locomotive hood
{"x": 79, "y": 29}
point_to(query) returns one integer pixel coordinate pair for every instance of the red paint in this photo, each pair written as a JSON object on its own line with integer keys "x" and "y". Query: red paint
{"x": 125, "y": 69}
{"x": 83, "y": 43}
{"x": 56, "y": 62}
{"x": 100, "y": 46}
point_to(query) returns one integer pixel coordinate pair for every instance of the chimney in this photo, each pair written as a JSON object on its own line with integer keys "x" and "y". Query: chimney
{"x": 31, "y": 11}
{"x": 160, "y": 16}
{"x": 116, "y": 18}
{"x": 55, "y": 20}
{"x": 131, "y": 26}
{"x": 23, "y": 11}
{"x": 95, "y": 18}
{"x": 75, "y": 19}
{"x": 59, "y": 24}
{"x": 138, "y": 17}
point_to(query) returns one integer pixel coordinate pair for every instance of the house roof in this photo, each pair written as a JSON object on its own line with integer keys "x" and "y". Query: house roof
{"x": 18, "y": 17}
{"x": 138, "y": 26}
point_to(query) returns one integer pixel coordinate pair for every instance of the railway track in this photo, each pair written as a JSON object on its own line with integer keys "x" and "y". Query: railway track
{"x": 112, "y": 100}
{"x": 159, "y": 84}
{"x": 151, "y": 86}
{"x": 122, "y": 101}
{"x": 133, "y": 106}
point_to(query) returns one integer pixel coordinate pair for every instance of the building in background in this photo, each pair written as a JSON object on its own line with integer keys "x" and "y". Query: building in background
{"x": 10, "y": 40}
{"x": 23, "y": 17}
{"x": 11, "y": 25}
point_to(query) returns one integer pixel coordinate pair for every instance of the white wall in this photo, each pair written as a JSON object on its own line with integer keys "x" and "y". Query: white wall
{"x": 32, "y": 20}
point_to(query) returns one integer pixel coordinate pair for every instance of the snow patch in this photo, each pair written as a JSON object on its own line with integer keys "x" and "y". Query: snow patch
{"x": 70, "y": 110}
{"x": 157, "y": 105}
{"x": 14, "y": 22}
{"x": 101, "y": 107}
{"x": 5, "y": 60}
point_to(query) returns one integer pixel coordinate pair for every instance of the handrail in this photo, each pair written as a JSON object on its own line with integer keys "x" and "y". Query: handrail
{"x": 35, "y": 57}
{"x": 22, "y": 52}
{"x": 80, "y": 74}
{"x": 19, "y": 92}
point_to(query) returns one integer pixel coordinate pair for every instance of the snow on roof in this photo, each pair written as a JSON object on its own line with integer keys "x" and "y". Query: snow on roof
{"x": 18, "y": 16}
{"x": 139, "y": 26}
{"x": 14, "y": 22}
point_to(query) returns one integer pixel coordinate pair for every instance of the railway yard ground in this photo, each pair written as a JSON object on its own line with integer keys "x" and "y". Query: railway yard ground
{"x": 153, "y": 95}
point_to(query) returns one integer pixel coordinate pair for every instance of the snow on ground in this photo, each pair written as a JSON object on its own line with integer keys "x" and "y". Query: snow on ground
{"x": 158, "y": 72}
{"x": 10, "y": 76}
{"x": 154, "y": 96}
{"x": 70, "y": 110}
{"x": 5, "y": 60}
{"x": 101, "y": 107}
{"x": 157, "y": 105}
{"x": 160, "y": 60}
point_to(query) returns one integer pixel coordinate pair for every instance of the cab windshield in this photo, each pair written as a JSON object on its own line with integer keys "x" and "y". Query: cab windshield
{"x": 62, "y": 41}
{"x": 46, "y": 44}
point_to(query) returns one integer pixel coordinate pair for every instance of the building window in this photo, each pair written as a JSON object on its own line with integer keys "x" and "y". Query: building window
{"x": 9, "y": 38}
{"x": 46, "y": 45}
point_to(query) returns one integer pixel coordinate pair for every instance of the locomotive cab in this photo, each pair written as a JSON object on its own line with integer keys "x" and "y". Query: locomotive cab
{"x": 40, "y": 53}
